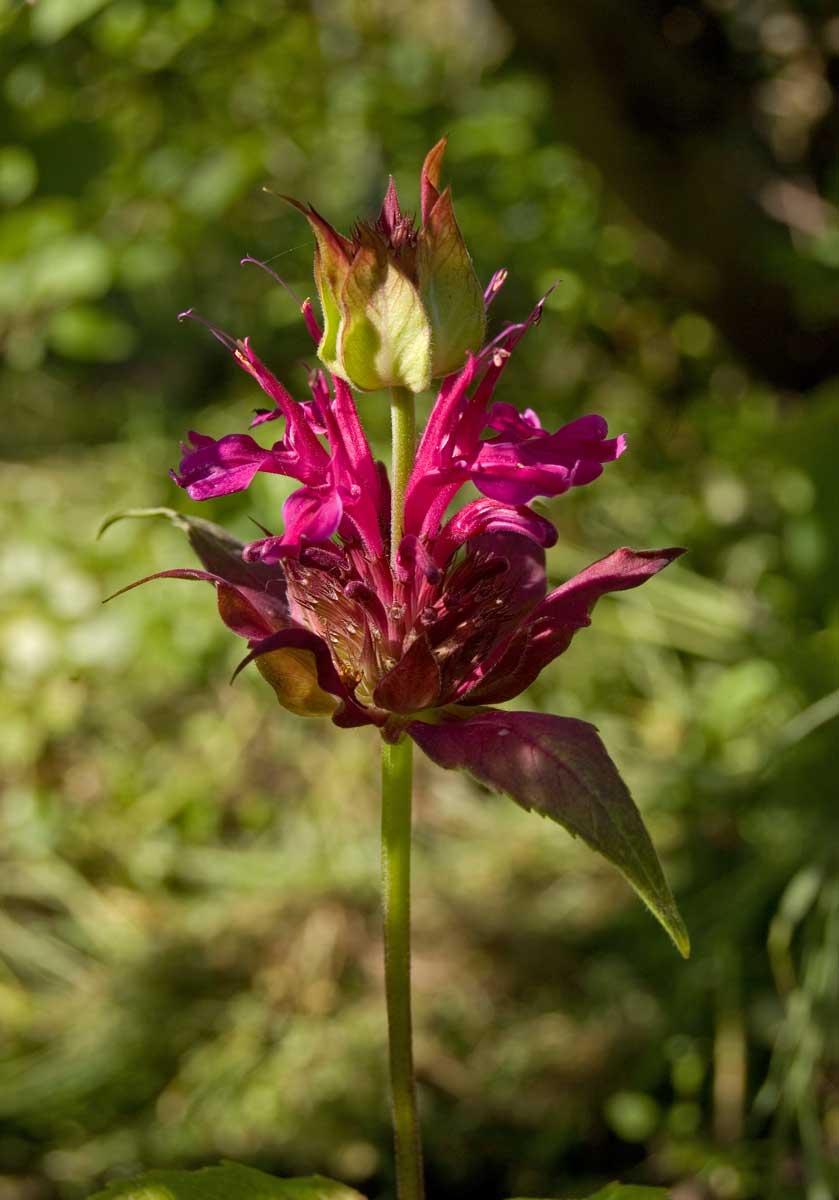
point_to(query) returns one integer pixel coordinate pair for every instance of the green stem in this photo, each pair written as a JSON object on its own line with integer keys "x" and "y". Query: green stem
{"x": 403, "y": 434}
{"x": 396, "y": 859}
{"x": 396, "y": 897}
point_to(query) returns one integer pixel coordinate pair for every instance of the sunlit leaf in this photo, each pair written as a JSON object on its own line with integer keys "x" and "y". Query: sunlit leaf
{"x": 227, "y": 1182}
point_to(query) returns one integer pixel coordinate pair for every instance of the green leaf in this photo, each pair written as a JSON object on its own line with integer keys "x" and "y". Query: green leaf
{"x": 617, "y": 1191}
{"x": 227, "y": 1182}
{"x": 559, "y": 768}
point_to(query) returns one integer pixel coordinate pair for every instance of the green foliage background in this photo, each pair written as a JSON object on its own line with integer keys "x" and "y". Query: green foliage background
{"x": 189, "y": 932}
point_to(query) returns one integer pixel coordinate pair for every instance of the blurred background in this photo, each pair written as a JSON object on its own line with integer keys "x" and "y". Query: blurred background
{"x": 189, "y": 932}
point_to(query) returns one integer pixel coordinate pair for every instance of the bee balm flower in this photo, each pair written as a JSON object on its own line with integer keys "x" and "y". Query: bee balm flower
{"x": 420, "y": 643}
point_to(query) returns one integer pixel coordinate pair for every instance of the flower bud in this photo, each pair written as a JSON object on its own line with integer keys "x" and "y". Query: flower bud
{"x": 401, "y": 305}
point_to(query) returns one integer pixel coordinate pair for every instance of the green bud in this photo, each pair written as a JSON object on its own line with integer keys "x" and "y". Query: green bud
{"x": 401, "y": 306}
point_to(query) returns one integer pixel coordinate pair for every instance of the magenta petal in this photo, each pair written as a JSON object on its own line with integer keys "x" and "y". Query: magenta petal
{"x": 353, "y": 469}
{"x": 310, "y": 516}
{"x": 353, "y": 439}
{"x": 506, "y": 419}
{"x": 299, "y": 435}
{"x": 503, "y": 473}
{"x": 490, "y": 516}
{"x": 579, "y": 441}
{"x": 270, "y": 551}
{"x": 425, "y": 499}
{"x": 451, "y": 441}
{"x": 261, "y": 415}
{"x": 217, "y": 468}
{"x": 313, "y": 515}
{"x": 559, "y": 768}
{"x": 315, "y": 331}
{"x": 525, "y": 461}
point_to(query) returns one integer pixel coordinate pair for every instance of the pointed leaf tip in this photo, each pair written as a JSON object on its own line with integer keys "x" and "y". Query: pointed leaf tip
{"x": 430, "y": 178}
{"x": 219, "y": 551}
{"x": 169, "y": 513}
{"x": 433, "y": 162}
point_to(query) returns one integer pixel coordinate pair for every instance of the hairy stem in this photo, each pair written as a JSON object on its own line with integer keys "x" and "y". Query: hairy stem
{"x": 403, "y": 435}
{"x": 396, "y": 897}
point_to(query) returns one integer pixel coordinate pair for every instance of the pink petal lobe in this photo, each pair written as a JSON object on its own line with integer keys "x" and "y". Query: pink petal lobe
{"x": 219, "y": 468}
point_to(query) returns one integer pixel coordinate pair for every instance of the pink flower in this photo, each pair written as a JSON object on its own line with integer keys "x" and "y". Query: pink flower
{"x": 463, "y": 618}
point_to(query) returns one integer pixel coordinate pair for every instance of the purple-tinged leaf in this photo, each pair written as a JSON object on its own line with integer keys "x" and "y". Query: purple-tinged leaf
{"x": 261, "y": 587}
{"x": 218, "y": 550}
{"x": 552, "y": 625}
{"x": 559, "y": 767}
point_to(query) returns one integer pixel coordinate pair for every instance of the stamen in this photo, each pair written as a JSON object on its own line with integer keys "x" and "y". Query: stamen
{"x": 413, "y": 554}
{"x": 495, "y": 285}
{"x": 250, "y": 259}
{"x": 229, "y": 343}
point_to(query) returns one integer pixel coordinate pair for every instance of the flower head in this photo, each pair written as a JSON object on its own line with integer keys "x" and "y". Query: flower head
{"x": 401, "y": 305}
{"x": 442, "y": 622}
{"x": 419, "y": 638}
